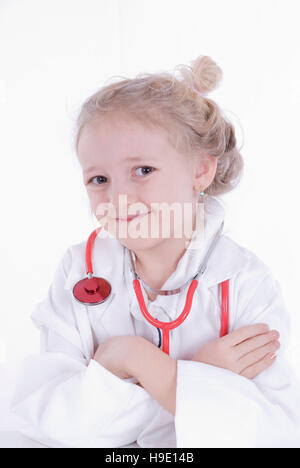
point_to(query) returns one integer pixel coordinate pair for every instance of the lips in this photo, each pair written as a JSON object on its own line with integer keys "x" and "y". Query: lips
{"x": 130, "y": 218}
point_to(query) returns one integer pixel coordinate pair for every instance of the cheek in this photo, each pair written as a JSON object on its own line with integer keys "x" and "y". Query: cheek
{"x": 94, "y": 199}
{"x": 174, "y": 190}
{"x": 161, "y": 190}
{"x": 97, "y": 204}
{"x": 177, "y": 186}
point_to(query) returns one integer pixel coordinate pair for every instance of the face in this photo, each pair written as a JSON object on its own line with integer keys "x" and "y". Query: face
{"x": 130, "y": 169}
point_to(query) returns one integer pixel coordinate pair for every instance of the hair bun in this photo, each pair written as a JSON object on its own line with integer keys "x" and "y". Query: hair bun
{"x": 204, "y": 75}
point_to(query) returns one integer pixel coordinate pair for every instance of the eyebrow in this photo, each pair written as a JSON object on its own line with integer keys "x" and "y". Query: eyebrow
{"x": 133, "y": 158}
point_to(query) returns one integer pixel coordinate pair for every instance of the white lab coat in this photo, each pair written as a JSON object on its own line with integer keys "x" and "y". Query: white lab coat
{"x": 67, "y": 399}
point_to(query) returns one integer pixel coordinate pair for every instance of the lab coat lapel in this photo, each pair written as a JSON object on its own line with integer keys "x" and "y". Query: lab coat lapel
{"x": 111, "y": 261}
{"x": 225, "y": 261}
{"x": 107, "y": 260}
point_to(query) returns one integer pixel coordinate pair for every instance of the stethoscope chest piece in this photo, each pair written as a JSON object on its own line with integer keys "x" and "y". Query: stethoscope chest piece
{"x": 92, "y": 291}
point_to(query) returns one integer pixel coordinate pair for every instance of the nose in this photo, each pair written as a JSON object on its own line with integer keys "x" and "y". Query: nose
{"x": 121, "y": 196}
{"x": 118, "y": 187}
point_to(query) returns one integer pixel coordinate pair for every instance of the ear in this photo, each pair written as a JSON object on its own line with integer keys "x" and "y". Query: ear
{"x": 205, "y": 167}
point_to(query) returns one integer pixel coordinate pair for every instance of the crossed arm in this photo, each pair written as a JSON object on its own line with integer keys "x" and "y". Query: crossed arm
{"x": 247, "y": 351}
{"x": 133, "y": 356}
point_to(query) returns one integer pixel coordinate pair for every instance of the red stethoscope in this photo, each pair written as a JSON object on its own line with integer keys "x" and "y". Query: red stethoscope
{"x": 94, "y": 290}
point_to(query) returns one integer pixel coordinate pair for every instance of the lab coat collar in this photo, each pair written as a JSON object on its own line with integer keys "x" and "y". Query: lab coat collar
{"x": 111, "y": 261}
{"x": 225, "y": 261}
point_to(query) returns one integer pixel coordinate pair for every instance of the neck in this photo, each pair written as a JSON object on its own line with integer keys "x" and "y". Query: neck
{"x": 156, "y": 265}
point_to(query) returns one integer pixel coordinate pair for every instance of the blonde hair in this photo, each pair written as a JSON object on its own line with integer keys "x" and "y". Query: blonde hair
{"x": 194, "y": 124}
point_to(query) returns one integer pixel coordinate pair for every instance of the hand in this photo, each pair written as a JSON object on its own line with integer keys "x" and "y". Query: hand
{"x": 246, "y": 351}
{"x": 114, "y": 353}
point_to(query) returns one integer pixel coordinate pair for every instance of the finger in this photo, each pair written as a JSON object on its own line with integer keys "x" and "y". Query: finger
{"x": 255, "y": 356}
{"x": 244, "y": 333}
{"x": 252, "y": 371}
{"x": 252, "y": 344}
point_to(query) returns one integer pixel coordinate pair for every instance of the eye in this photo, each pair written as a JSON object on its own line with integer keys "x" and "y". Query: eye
{"x": 99, "y": 179}
{"x": 96, "y": 177}
{"x": 145, "y": 167}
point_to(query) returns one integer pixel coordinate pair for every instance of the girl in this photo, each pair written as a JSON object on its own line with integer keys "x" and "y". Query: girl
{"x": 106, "y": 377}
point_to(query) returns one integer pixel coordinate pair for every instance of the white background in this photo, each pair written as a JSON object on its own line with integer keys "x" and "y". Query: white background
{"x": 54, "y": 54}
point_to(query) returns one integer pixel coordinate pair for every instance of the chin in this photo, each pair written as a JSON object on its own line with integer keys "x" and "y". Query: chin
{"x": 138, "y": 237}
{"x": 139, "y": 243}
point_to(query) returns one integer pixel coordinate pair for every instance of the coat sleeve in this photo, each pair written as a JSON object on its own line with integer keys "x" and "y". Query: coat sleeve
{"x": 65, "y": 399}
{"x": 218, "y": 408}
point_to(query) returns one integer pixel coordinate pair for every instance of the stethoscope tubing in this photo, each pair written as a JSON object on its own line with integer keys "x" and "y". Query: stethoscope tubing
{"x": 164, "y": 326}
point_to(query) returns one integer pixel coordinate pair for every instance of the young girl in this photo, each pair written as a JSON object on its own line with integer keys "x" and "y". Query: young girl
{"x": 108, "y": 377}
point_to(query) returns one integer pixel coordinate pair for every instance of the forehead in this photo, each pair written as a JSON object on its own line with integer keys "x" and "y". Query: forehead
{"x": 115, "y": 138}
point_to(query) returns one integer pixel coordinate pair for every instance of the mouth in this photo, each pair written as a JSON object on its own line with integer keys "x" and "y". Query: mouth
{"x": 130, "y": 218}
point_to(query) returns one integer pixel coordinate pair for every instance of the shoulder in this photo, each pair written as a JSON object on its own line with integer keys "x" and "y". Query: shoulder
{"x": 71, "y": 268}
{"x": 230, "y": 260}
{"x": 256, "y": 293}
{"x": 252, "y": 282}
{"x": 252, "y": 265}
{"x": 103, "y": 243}
{"x": 106, "y": 255}
{"x": 254, "y": 277}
